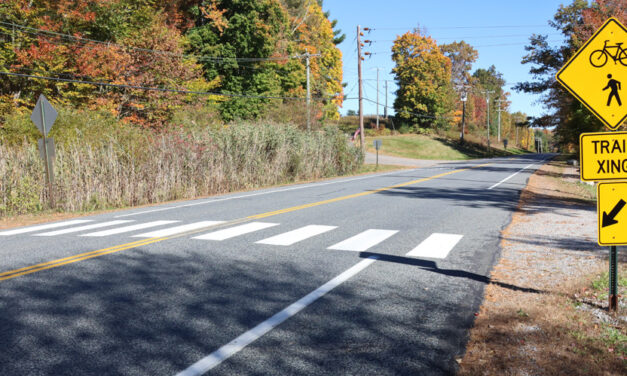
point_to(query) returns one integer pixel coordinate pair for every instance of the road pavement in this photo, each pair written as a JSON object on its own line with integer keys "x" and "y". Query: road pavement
{"x": 378, "y": 274}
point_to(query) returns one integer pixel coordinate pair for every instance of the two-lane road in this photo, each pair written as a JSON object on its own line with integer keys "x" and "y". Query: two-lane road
{"x": 378, "y": 274}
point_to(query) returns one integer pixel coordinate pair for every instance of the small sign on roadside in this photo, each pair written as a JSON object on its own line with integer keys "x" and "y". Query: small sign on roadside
{"x": 44, "y": 115}
{"x": 377, "y": 144}
{"x": 612, "y": 223}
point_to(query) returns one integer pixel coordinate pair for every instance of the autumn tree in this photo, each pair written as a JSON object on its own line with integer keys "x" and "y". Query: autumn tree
{"x": 314, "y": 34}
{"x": 462, "y": 56}
{"x": 423, "y": 76}
{"x": 119, "y": 42}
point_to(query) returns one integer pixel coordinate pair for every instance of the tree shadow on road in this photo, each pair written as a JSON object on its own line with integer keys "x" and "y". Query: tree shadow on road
{"x": 143, "y": 312}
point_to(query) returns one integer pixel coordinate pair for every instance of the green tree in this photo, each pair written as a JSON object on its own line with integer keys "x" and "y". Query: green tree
{"x": 230, "y": 29}
{"x": 577, "y": 22}
{"x": 423, "y": 76}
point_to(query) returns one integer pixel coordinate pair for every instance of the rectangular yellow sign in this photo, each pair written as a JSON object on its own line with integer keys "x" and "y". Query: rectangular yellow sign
{"x": 603, "y": 156}
{"x": 612, "y": 214}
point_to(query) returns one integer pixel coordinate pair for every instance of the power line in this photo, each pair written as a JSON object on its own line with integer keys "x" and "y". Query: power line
{"x": 177, "y": 91}
{"x": 460, "y": 27}
{"x": 42, "y": 32}
{"x": 92, "y": 47}
{"x": 471, "y": 37}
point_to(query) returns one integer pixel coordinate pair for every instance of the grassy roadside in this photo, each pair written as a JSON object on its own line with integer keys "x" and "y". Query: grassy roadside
{"x": 545, "y": 311}
{"x": 49, "y": 215}
{"x": 437, "y": 148}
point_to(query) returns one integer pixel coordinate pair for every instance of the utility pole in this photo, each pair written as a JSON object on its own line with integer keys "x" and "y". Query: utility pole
{"x": 385, "y": 109}
{"x": 517, "y": 144}
{"x": 464, "y": 99}
{"x": 499, "y": 110}
{"x": 361, "y": 90}
{"x": 487, "y": 99}
{"x": 378, "y": 98}
{"x": 308, "y": 95}
{"x": 307, "y": 56}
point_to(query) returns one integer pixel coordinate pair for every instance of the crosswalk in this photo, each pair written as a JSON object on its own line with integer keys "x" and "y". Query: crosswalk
{"x": 436, "y": 246}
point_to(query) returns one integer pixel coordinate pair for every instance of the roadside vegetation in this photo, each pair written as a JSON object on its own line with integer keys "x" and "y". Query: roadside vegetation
{"x": 102, "y": 164}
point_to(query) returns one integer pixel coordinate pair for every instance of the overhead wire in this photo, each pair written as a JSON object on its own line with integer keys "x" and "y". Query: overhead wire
{"x": 43, "y": 32}
{"x": 167, "y": 90}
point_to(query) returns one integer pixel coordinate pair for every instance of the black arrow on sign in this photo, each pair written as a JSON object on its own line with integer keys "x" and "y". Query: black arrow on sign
{"x": 608, "y": 219}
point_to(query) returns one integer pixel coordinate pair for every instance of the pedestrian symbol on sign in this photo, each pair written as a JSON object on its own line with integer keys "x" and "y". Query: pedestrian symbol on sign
{"x": 615, "y": 87}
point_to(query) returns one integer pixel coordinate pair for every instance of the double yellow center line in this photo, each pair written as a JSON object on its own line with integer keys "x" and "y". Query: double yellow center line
{"x": 105, "y": 251}
{"x": 68, "y": 260}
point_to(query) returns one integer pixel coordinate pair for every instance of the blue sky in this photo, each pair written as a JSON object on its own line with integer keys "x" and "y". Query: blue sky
{"x": 499, "y": 30}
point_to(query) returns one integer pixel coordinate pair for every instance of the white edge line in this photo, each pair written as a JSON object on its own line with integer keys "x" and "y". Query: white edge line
{"x": 515, "y": 173}
{"x": 223, "y": 353}
{"x": 259, "y": 194}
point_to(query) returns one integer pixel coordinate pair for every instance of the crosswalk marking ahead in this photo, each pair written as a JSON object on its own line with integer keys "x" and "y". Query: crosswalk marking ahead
{"x": 232, "y": 232}
{"x": 294, "y": 236}
{"x": 49, "y": 226}
{"x": 121, "y": 230}
{"x": 435, "y": 246}
{"x": 83, "y": 228}
{"x": 178, "y": 229}
{"x": 363, "y": 241}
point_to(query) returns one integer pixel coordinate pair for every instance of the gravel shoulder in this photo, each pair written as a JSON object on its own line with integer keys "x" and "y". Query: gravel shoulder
{"x": 545, "y": 310}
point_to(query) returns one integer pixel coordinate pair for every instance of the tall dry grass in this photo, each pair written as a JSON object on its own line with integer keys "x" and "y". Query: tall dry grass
{"x": 134, "y": 168}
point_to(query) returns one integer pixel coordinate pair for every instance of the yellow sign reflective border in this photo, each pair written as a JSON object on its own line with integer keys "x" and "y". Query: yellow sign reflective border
{"x": 597, "y": 74}
{"x": 612, "y": 213}
{"x": 603, "y": 156}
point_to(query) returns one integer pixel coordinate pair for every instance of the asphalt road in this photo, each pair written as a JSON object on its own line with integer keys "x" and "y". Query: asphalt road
{"x": 368, "y": 275}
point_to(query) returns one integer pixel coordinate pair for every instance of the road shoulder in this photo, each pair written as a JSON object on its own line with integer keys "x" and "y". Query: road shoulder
{"x": 545, "y": 310}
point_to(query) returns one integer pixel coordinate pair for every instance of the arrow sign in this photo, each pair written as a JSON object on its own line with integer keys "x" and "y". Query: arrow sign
{"x": 608, "y": 219}
{"x": 43, "y": 115}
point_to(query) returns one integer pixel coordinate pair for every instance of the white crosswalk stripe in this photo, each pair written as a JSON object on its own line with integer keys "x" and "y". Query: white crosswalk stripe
{"x": 294, "y": 236}
{"x": 178, "y": 229}
{"x": 435, "y": 246}
{"x": 236, "y": 231}
{"x": 49, "y": 226}
{"x": 121, "y": 230}
{"x": 83, "y": 228}
{"x": 363, "y": 241}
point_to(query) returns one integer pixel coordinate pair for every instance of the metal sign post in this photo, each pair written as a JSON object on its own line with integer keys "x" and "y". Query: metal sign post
{"x": 377, "y": 146}
{"x": 44, "y": 116}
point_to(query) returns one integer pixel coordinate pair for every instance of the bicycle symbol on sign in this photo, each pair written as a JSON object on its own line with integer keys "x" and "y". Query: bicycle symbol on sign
{"x": 598, "y": 58}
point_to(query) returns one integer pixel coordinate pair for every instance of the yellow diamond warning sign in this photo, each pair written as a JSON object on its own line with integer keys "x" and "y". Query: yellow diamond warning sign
{"x": 611, "y": 201}
{"x": 603, "y": 156}
{"x": 597, "y": 74}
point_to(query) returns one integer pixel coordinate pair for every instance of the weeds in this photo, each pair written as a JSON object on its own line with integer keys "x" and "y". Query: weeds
{"x": 100, "y": 164}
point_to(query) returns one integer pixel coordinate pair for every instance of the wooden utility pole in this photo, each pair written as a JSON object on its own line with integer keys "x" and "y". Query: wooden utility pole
{"x": 385, "y": 109}
{"x": 378, "y": 98}
{"x": 464, "y": 99}
{"x": 362, "y": 139}
{"x": 487, "y": 99}
{"x": 498, "y": 101}
{"x": 308, "y": 94}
